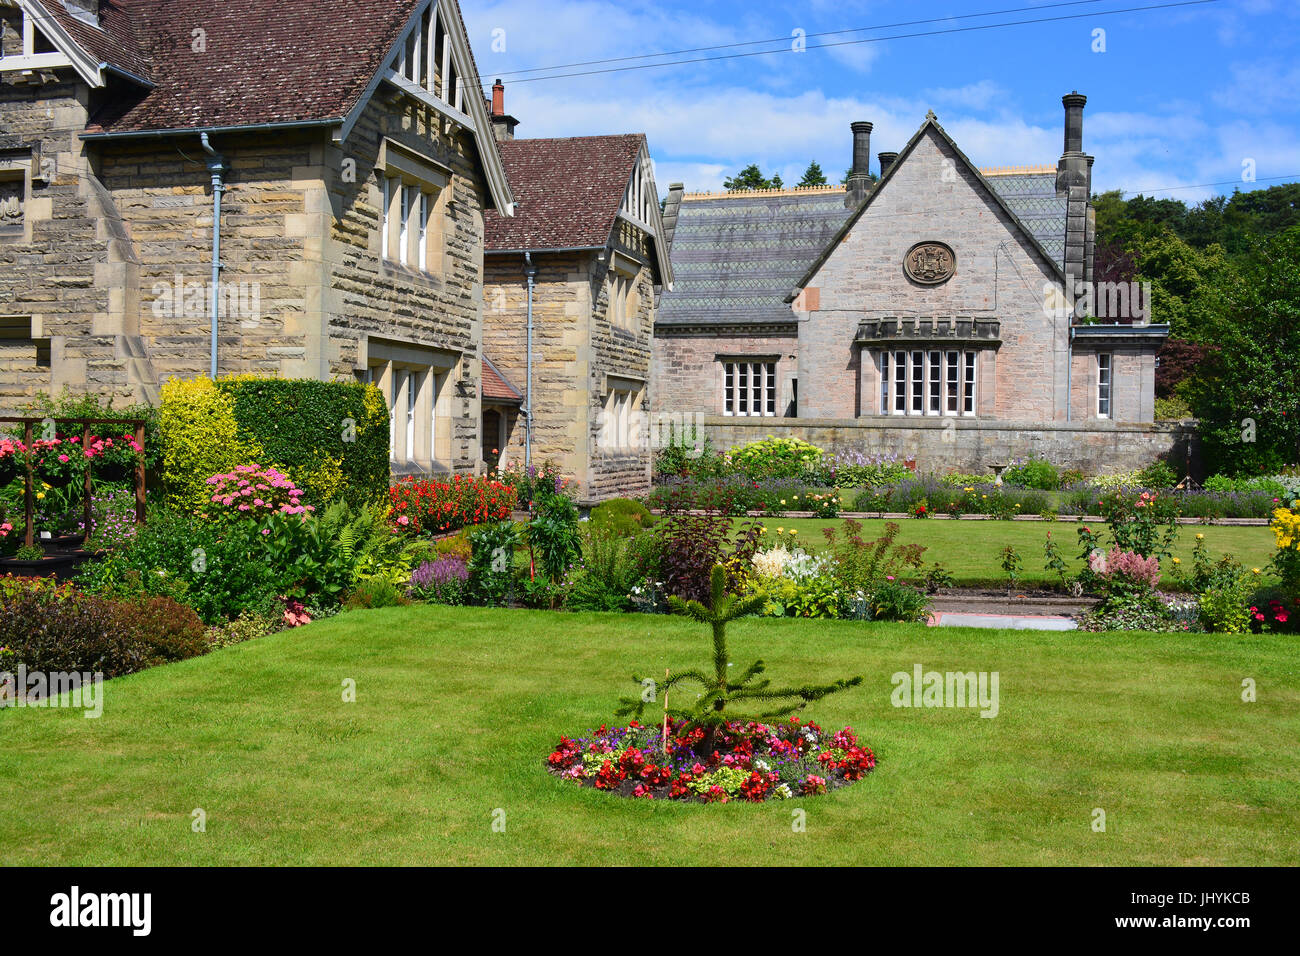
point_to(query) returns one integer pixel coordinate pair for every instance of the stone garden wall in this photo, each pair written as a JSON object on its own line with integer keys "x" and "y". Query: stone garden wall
{"x": 942, "y": 446}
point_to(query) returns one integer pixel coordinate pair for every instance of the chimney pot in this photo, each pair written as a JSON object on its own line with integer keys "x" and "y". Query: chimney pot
{"x": 886, "y": 160}
{"x": 498, "y": 99}
{"x": 1074, "y": 103}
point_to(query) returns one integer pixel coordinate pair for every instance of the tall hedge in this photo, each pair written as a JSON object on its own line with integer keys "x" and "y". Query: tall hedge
{"x": 199, "y": 438}
{"x": 329, "y": 437}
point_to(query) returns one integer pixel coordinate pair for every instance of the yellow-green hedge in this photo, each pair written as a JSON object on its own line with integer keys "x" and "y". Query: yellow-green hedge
{"x": 329, "y": 437}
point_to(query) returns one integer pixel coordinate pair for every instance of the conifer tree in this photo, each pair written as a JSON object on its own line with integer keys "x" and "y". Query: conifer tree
{"x": 813, "y": 176}
{"x": 710, "y": 711}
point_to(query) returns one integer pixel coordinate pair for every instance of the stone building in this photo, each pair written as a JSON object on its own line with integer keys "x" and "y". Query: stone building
{"x": 585, "y": 256}
{"x": 341, "y": 147}
{"x": 943, "y": 312}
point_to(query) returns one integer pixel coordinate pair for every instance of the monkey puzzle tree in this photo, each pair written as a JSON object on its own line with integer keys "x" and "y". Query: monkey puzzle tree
{"x": 710, "y": 711}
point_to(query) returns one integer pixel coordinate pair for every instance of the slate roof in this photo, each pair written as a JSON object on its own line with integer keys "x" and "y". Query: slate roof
{"x": 266, "y": 61}
{"x": 567, "y": 191}
{"x": 736, "y": 257}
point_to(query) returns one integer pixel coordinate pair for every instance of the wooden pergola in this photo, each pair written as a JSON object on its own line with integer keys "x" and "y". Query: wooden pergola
{"x": 86, "y": 424}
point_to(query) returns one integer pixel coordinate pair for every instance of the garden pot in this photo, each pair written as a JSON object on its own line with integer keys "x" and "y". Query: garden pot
{"x": 67, "y": 542}
{"x": 57, "y": 565}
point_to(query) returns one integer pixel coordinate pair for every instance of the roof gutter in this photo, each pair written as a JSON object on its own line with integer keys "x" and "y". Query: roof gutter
{"x": 531, "y": 251}
{"x": 211, "y": 130}
{"x": 127, "y": 75}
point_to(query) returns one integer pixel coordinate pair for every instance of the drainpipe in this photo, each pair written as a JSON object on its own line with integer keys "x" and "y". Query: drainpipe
{"x": 1069, "y": 371}
{"x": 530, "y": 271}
{"x": 217, "y": 167}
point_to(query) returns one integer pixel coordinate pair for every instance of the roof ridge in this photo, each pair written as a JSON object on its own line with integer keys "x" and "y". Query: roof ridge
{"x": 777, "y": 191}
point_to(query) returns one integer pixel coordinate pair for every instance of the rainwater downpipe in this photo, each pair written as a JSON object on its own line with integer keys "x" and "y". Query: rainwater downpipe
{"x": 530, "y": 271}
{"x": 217, "y": 167}
{"x": 1069, "y": 372}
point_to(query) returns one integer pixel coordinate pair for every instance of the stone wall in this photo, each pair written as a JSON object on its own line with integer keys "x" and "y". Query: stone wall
{"x": 972, "y": 446}
{"x": 688, "y": 367}
{"x": 114, "y": 264}
{"x": 578, "y": 354}
{"x": 1000, "y": 275}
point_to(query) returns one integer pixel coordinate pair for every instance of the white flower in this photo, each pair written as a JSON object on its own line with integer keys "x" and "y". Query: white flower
{"x": 783, "y": 791}
{"x": 761, "y": 766}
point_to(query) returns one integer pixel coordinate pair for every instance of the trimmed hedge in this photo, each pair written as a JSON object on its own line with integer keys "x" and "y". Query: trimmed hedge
{"x": 329, "y": 437}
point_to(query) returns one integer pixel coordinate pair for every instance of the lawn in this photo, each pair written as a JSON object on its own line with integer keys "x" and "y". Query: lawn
{"x": 972, "y": 550}
{"x": 456, "y": 710}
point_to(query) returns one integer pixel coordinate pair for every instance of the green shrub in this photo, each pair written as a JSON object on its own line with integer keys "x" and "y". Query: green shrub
{"x": 1036, "y": 473}
{"x": 613, "y": 563}
{"x": 330, "y": 437}
{"x": 1225, "y": 606}
{"x": 200, "y": 438}
{"x": 775, "y": 458}
{"x": 1158, "y": 474}
{"x": 375, "y": 593}
{"x": 491, "y": 564}
{"x": 165, "y": 628}
{"x": 620, "y": 516}
{"x": 1173, "y": 409}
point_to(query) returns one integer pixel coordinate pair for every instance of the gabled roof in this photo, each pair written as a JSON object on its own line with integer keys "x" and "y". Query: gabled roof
{"x": 496, "y": 387}
{"x": 115, "y": 44}
{"x": 931, "y": 123}
{"x": 204, "y": 65}
{"x": 567, "y": 191}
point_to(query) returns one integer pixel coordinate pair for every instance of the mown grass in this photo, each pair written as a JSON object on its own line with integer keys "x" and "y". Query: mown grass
{"x": 972, "y": 550}
{"x": 457, "y": 708}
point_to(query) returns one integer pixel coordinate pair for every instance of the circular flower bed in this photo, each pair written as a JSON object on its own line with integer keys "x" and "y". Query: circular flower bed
{"x": 749, "y": 761}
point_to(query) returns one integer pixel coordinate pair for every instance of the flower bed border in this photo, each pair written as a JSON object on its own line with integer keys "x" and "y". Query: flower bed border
{"x": 895, "y": 516}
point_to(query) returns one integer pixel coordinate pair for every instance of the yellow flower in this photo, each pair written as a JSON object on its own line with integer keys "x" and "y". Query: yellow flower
{"x": 782, "y": 501}
{"x": 780, "y": 530}
{"x": 1200, "y": 537}
{"x": 1255, "y": 571}
{"x": 793, "y": 531}
{"x": 1178, "y": 560}
{"x": 762, "y": 531}
{"x": 40, "y": 496}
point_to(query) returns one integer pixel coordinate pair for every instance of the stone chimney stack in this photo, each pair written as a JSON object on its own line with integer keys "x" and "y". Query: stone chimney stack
{"x": 503, "y": 125}
{"x": 886, "y": 160}
{"x": 860, "y": 175}
{"x": 1074, "y": 185}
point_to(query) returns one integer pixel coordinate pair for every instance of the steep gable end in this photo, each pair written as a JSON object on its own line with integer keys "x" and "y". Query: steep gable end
{"x": 431, "y": 62}
{"x": 47, "y": 42}
{"x": 960, "y": 168}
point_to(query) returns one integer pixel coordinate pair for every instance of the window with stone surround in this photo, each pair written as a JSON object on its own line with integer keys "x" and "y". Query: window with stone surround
{"x": 415, "y": 192}
{"x": 624, "y": 299}
{"x": 418, "y": 399}
{"x": 1105, "y": 379}
{"x": 749, "y": 389}
{"x": 927, "y": 382}
{"x": 620, "y": 421}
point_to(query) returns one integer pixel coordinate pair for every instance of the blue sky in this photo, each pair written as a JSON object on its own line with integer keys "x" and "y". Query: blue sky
{"x": 1179, "y": 96}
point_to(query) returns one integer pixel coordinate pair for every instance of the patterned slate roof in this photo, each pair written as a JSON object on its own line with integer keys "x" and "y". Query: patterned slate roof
{"x": 736, "y": 257}
{"x": 266, "y": 61}
{"x": 567, "y": 191}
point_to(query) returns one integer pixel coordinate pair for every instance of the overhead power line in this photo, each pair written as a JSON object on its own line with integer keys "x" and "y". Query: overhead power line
{"x": 789, "y": 48}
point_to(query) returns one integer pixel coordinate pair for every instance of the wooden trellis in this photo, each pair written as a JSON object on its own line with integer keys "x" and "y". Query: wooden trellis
{"x": 29, "y": 427}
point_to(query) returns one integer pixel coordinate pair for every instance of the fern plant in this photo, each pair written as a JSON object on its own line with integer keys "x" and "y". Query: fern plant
{"x": 710, "y": 711}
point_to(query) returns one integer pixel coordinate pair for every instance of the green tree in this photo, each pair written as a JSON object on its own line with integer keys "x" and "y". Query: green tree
{"x": 1247, "y": 393}
{"x": 813, "y": 176}
{"x": 1184, "y": 283}
{"x": 751, "y": 177}
{"x": 709, "y": 710}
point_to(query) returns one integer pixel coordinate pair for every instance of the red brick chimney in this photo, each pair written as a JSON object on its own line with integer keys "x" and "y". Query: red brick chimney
{"x": 503, "y": 125}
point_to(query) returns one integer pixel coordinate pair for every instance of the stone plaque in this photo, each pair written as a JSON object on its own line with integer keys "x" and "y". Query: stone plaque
{"x": 930, "y": 263}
